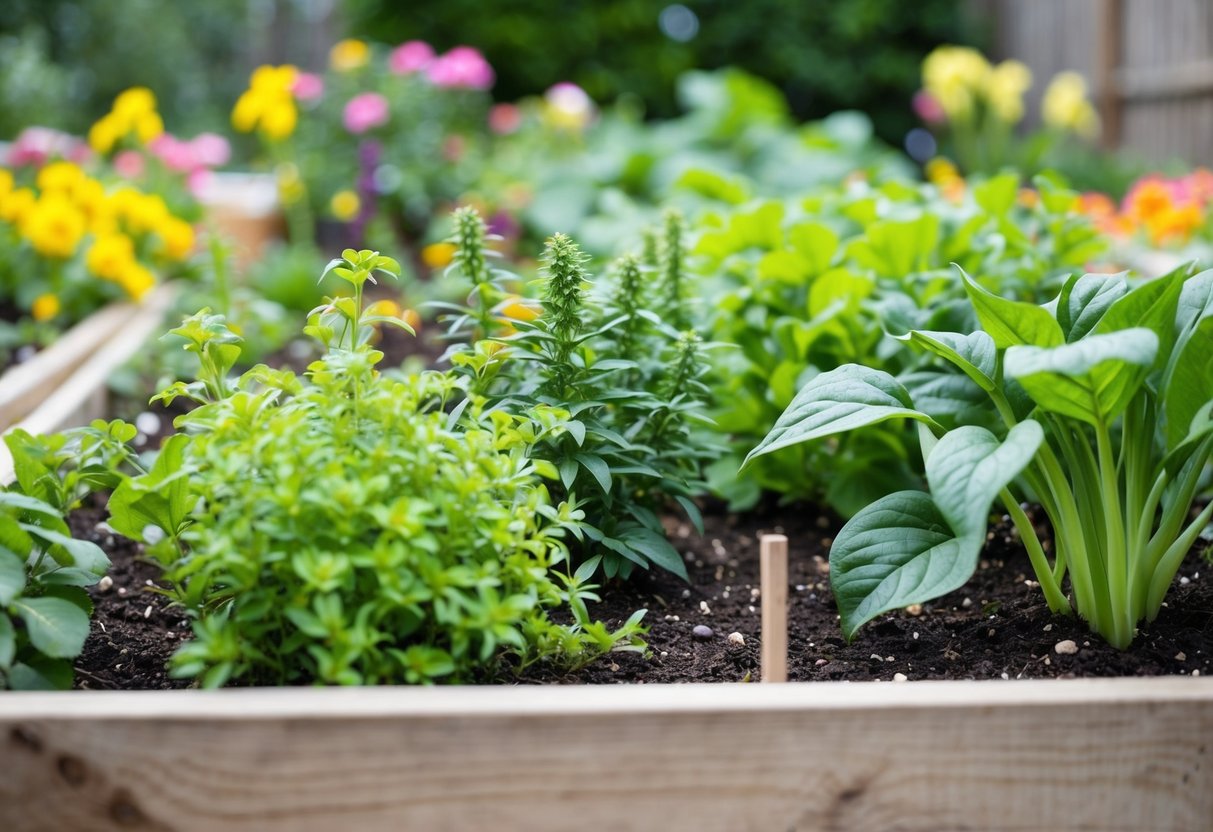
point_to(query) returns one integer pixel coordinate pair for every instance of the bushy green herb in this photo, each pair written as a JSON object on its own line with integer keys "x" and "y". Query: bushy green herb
{"x": 616, "y": 388}
{"x": 350, "y": 527}
{"x": 1099, "y": 405}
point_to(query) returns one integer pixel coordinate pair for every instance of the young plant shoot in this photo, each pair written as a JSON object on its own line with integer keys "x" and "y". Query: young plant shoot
{"x": 1097, "y": 405}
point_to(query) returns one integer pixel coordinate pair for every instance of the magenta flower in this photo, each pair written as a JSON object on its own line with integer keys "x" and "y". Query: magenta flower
{"x": 413, "y": 56}
{"x": 307, "y": 87}
{"x": 364, "y": 112}
{"x": 38, "y": 145}
{"x": 462, "y": 67}
{"x": 176, "y": 154}
{"x": 505, "y": 119}
{"x": 927, "y": 108}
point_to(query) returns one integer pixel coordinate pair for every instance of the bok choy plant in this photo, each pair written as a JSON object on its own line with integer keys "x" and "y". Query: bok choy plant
{"x": 1098, "y": 405}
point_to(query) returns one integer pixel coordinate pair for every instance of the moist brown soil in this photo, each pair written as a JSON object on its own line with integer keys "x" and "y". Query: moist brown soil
{"x": 995, "y": 627}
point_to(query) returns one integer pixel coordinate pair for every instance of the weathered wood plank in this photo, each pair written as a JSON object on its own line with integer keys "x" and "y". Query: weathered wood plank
{"x": 1095, "y": 754}
{"x": 81, "y": 396}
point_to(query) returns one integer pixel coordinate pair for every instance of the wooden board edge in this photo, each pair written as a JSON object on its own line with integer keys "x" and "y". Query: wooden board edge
{"x": 25, "y": 386}
{"x": 258, "y": 704}
{"x": 57, "y": 410}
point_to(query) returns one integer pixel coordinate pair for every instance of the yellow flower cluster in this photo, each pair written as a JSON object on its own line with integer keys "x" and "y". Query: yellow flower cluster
{"x": 67, "y": 212}
{"x": 268, "y": 104}
{"x": 349, "y": 54}
{"x": 1066, "y": 107}
{"x": 133, "y": 114}
{"x": 960, "y": 79}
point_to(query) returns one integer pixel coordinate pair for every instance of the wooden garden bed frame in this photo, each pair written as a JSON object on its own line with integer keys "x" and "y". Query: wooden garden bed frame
{"x": 65, "y": 385}
{"x": 1115, "y": 754}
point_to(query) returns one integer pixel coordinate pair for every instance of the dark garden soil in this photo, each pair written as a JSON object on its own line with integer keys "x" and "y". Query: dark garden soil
{"x": 995, "y": 627}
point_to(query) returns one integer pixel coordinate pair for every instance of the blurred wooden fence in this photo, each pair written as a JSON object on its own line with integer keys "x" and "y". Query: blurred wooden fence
{"x": 1149, "y": 63}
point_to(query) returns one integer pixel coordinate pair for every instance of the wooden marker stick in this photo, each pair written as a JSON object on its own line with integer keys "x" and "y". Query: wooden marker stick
{"x": 774, "y": 566}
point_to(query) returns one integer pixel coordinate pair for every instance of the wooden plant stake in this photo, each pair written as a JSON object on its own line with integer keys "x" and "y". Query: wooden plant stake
{"x": 774, "y": 566}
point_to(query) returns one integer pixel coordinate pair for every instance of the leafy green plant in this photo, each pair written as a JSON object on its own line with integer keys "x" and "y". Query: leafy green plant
{"x": 1098, "y": 405}
{"x": 806, "y": 287}
{"x": 44, "y": 610}
{"x": 615, "y": 390}
{"x": 351, "y": 527}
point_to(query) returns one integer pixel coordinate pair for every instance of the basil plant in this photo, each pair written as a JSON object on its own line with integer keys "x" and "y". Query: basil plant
{"x": 1097, "y": 405}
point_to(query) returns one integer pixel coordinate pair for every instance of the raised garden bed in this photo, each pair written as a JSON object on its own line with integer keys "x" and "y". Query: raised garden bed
{"x": 65, "y": 384}
{"x": 1078, "y": 755}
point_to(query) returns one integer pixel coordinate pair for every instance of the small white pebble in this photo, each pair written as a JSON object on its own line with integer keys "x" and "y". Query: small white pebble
{"x": 1005, "y": 676}
{"x": 664, "y": 653}
{"x": 1195, "y": 672}
{"x": 105, "y": 584}
{"x": 1184, "y": 581}
{"x": 1181, "y": 656}
{"x": 736, "y": 638}
{"x": 147, "y": 613}
{"x": 900, "y": 677}
{"x": 703, "y": 608}
{"x": 686, "y": 593}
{"x": 876, "y": 657}
{"x": 1048, "y": 628}
{"x": 1065, "y": 648}
{"x": 914, "y": 635}
{"x": 914, "y": 610}
{"x": 889, "y": 659}
{"x": 1048, "y": 660}
{"x": 821, "y": 663}
{"x": 966, "y": 603}
{"x": 801, "y": 587}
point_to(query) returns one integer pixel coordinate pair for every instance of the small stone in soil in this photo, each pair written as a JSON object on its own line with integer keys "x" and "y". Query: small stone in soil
{"x": 914, "y": 610}
{"x": 702, "y": 632}
{"x": 900, "y": 677}
{"x": 105, "y": 584}
{"x": 1065, "y": 648}
{"x": 821, "y": 662}
{"x": 1181, "y": 656}
{"x": 737, "y": 639}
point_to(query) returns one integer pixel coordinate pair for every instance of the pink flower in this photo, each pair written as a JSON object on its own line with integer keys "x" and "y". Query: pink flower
{"x": 307, "y": 86}
{"x": 210, "y": 150}
{"x": 38, "y": 145}
{"x": 505, "y": 119}
{"x": 129, "y": 164}
{"x": 198, "y": 180}
{"x": 176, "y": 154}
{"x": 927, "y": 108}
{"x": 364, "y": 112}
{"x": 413, "y": 56}
{"x": 462, "y": 67}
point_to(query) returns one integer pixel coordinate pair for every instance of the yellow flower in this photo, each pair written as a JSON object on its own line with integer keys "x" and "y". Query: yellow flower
{"x": 345, "y": 205}
{"x": 104, "y": 134}
{"x": 273, "y": 80}
{"x": 133, "y": 103}
{"x": 1065, "y": 105}
{"x": 136, "y": 280}
{"x": 940, "y": 171}
{"x": 53, "y": 226}
{"x": 111, "y": 255}
{"x": 1005, "y": 88}
{"x": 15, "y": 206}
{"x": 290, "y": 186}
{"x": 438, "y": 255}
{"x": 45, "y": 307}
{"x": 349, "y": 54}
{"x": 60, "y": 177}
{"x": 246, "y": 112}
{"x": 516, "y": 309}
{"x": 148, "y": 126}
{"x": 178, "y": 237}
{"x": 954, "y": 75}
{"x": 142, "y": 212}
{"x": 279, "y": 119}
{"x": 6, "y": 183}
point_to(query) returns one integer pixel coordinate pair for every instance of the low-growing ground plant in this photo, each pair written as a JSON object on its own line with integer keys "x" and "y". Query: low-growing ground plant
{"x": 350, "y": 527}
{"x": 1098, "y": 405}
{"x": 616, "y": 390}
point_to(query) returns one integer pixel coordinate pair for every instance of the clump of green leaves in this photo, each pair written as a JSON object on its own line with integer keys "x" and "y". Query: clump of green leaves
{"x": 616, "y": 392}
{"x": 349, "y": 527}
{"x": 1099, "y": 405}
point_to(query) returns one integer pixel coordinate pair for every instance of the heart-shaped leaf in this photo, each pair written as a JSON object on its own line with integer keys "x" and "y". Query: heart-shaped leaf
{"x": 910, "y": 547}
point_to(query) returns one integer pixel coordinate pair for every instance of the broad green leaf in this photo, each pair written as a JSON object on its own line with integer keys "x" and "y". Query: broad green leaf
{"x": 8, "y": 641}
{"x": 597, "y": 468}
{"x": 1152, "y": 305}
{"x": 160, "y": 498}
{"x": 1092, "y": 379}
{"x": 12, "y": 576}
{"x": 657, "y": 549}
{"x": 972, "y": 354}
{"x": 951, "y": 399}
{"x": 1190, "y": 384}
{"x": 41, "y": 673}
{"x": 56, "y": 627}
{"x": 83, "y": 554}
{"x": 844, "y": 399}
{"x": 1085, "y": 299}
{"x": 1012, "y": 323}
{"x": 838, "y": 285}
{"x": 911, "y": 547}
{"x": 997, "y": 195}
{"x": 816, "y": 243}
